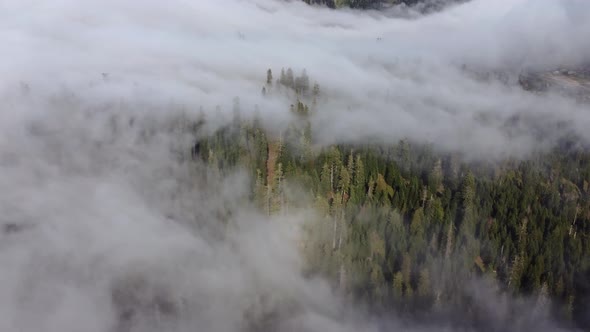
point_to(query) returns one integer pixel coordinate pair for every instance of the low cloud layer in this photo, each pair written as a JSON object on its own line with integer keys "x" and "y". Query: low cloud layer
{"x": 382, "y": 77}
{"x": 90, "y": 201}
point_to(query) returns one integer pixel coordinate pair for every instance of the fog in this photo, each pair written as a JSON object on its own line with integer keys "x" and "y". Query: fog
{"x": 383, "y": 78}
{"x": 88, "y": 206}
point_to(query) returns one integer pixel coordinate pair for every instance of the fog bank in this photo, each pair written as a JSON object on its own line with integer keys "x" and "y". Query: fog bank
{"x": 97, "y": 189}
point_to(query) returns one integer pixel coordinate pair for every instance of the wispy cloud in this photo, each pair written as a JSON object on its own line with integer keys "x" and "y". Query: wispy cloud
{"x": 102, "y": 203}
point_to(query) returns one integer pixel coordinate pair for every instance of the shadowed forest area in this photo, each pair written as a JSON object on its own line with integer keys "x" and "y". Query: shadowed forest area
{"x": 371, "y": 4}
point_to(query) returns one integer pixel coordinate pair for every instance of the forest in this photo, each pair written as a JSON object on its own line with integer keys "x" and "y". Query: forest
{"x": 403, "y": 227}
{"x": 362, "y": 4}
{"x": 295, "y": 166}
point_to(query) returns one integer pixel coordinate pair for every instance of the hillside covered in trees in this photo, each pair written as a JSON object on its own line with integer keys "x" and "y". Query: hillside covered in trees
{"x": 402, "y": 227}
{"x": 370, "y": 4}
{"x": 160, "y": 171}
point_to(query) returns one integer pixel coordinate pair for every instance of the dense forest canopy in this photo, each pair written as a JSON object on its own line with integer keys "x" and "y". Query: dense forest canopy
{"x": 270, "y": 165}
{"x": 403, "y": 227}
{"x": 373, "y": 4}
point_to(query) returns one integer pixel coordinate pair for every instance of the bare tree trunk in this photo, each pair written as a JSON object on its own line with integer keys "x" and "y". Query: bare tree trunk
{"x": 334, "y": 232}
{"x": 449, "y": 241}
{"x": 280, "y": 189}
{"x": 342, "y": 281}
{"x": 340, "y": 232}
{"x": 341, "y": 219}
{"x": 574, "y": 222}
{"x": 268, "y": 199}
{"x": 332, "y": 177}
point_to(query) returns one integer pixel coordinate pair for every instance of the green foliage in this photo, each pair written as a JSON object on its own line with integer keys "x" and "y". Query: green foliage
{"x": 390, "y": 215}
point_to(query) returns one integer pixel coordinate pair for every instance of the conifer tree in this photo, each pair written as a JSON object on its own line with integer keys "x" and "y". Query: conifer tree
{"x": 289, "y": 79}
{"x": 424, "y": 283}
{"x": 269, "y": 77}
{"x": 283, "y": 78}
{"x": 398, "y": 285}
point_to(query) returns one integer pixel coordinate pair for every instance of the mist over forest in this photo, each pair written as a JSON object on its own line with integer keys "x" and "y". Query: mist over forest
{"x": 272, "y": 165}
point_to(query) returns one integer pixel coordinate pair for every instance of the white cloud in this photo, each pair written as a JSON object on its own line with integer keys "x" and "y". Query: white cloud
{"x": 98, "y": 204}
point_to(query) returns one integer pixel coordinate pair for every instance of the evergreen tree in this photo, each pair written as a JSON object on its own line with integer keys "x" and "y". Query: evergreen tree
{"x": 289, "y": 79}
{"x": 283, "y": 78}
{"x": 406, "y": 226}
{"x": 269, "y": 77}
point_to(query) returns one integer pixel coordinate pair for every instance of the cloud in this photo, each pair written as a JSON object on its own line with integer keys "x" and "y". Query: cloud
{"x": 408, "y": 84}
{"x": 97, "y": 194}
{"x": 110, "y": 230}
